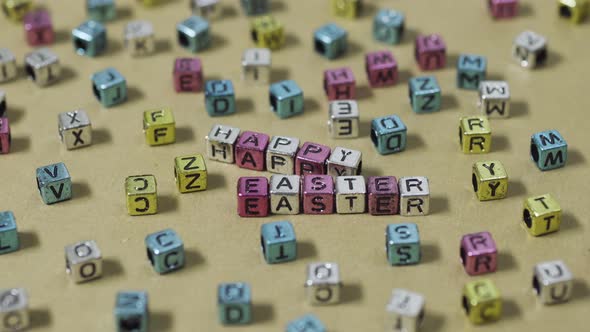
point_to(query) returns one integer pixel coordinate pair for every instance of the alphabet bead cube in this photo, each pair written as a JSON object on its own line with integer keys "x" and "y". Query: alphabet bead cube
{"x": 5, "y": 137}
{"x": 139, "y": 38}
{"x": 344, "y": 119}
{"x": 494, "y": 99}
{"x": 548, "y": 150}
{"x": 402, "y": 244}
{"x": 254, "y": 7}
{"x": 109, "y": 87}
{"x": 256, "y": 65}
{"x": 234, "y": 303}
{"x": 425, "y": 94}
{"x": 8, "y": 70}
{"x": 16, "y": 9}
{"x": 344, "y": 162}
{"x": 330, "y": 41}
{"x": 351, "y": 194}
{"x": 430, "y": 52}
{"x": 159, "y": 126}
{"x": 250, "y": 150}
{"x": 471, "y": 70}
{"x": 530, "y": 49}
{"x": 165, "y": 251}
{"x": 253, "y": 197}
{"x": 42, "y": 66}
{"x": 541, "y": 215}
{"x": 339, "y": 84}
{"x": 221, "y": 143}
{"x": 388, "y": 134}
{"x": 306, "y": 323}
{"x": 278, "y": 242}
{"x": 75, "y": 129}
{"x": 90, "y": 38}
{"x": 323, "y": 285}
{"x": 481, "y": 301}
{"x": 142, "y": 195}
{"x": 318, "y": 194}
{"x": 573, "y": 10}
{"x": 475, "y": 134}
{"x": 383, "y": 195}
{"x": 14, "y": 309}
{"x": 285, "y": 191}
{"x": 54, "y": 183}
{"x": 388, "y": 26}
{"x": 346, "y": 8}
{"x": 381, "y": 68}
{"x": 490, "y": 180}
{"x": 188, "y": 75}
{"x": 131, "y": 311}
{"x": 193, "y": 34}
{"x": 220, "y": 98}
{"x": 209, "y": 9}
{"x": 405, "y": 311}
{"x": 9, "y": 241}
{"x": 190, "y": 172}
{"x": 286, "y": 99}
{"x": 414, "y": 196}
{"x": 552, "y": 282}
{"x": 83, "y": 261}
{"x": 101, "y": 10}
{"x": 478, "y": 253}
{"x": 281, "y": 153}
{"x": 38, "y": 28}
{"x": 267, "y": 32}
{"x": 311, "y": 159}
{"x": 500, "y": 9}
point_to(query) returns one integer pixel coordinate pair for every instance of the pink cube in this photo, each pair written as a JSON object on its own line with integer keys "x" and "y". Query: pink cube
{"x": 188, "y": 75}
{"x": 253, "y": 196}
{"x": 311, "y": 159}
{"x": 430, "y": 52}
{"x": 339, "y": 84}
{"x": 381, "y": 68}
{"x": 383, "y": 195}
{"x": 38, "y": 28}
{"x": 478, "y": 253}
{"x": 318, "y": 194}
{"x": 250, "y": 150}
{"x": 4, "y": 136}
{"x": 503, "y": 8}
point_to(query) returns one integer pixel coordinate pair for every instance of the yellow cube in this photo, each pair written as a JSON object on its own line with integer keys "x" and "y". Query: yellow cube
{"x": 573, "y": 10}
{"x": 142, "y": 195}
{"x": 267, "y": 32}
{"x": 489, "y": 180}
{"x": 541, "y": 215}
{"x": 159, "y": 127}
{"x": 16, "y": 9}
{"x": 190, "y": 173}
{"x": 475, "y": 134}
{"x": 346, "y": 8}
{"x": 481, "y": 301}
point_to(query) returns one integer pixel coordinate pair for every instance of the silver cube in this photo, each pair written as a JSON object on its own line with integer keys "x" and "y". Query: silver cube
{"x": 42, "y": 66}
{"x": 14, "y": 309}
{"x": 405, "y": 311}
{"x": 351, "y": 194}
{"x": 281, "y": 153}
{"x": 414, "y": 194}
{"x": 75, "y": 130}
{"x": 344, "y": 119}
{"x": 221, "y": 143}
{"x": 494, "y": 99}
{"x": 345, "y": 162}
{"x": 552, "y": 282}
{"x": 139, "y": 38}
{"x": 530, "y": 49}
{"x": 8, "y": 70}
{"x": 323, "y": 285}
{"x": 209, "y": 9}
{"x": 256, "y": 65}
{"x": 83, "y": 261}
{"x": 285, "y": 191}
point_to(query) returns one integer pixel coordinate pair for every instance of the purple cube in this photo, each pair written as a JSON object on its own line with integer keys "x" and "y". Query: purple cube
{"x": 250, "y": 150}
{"x": 318, "y": 194}
{"x": 38, "y": 28}
{"x": 430, "y": 52}
{"x": 383, "y": 195}
{"x": 311, "y": 159}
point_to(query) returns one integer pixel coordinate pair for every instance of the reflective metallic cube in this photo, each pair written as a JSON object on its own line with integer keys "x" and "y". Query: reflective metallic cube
{"x": 165, "y": 251}
{"x": 90, "y": 38}
{"x": 256, "y": 65}
{"x": 345, "y": 162}
{"x": 159, "y": 126}
{"x": 425, "y": 94}
{"x": 389, "y": 134}
{"x": 142, "y": 195}
{"x": 281, "y": 153}
{"x": 489, "y": 180}
{"x": 83, "y": 261}
{"x": 193, "y": 34}
{"x": 344, "y": 119}
{"x": 414, "y": 194}
{"x": 54, "y": 183}
{"x": 221, "y": 143}
{"x": 478, "y": 253}
{"x": 14, "y": 309}
{"x": 139, "y": 38}
{"x": 42, "y": 66}
{"x": 330, "y": 41}
{"x": 251, "y": 150}
{"x": 234, "y": 303}
{"x": 405, "y": 311}
{"x": 541, "y": 215}
{"x": 552, "y": 282}
{"x": 389, "y": 26}
{"x": 548, "y": 150}
{"x": 482, "y": 301}
{"x": 74, "y": 129}
{"x": 9, "y": 241}
{"x": 131, "y": 311}
{"x": 8, "y": 69}
{"x": 402, "y": 244}
{"x": 190, "y": 172}
{"x": 530, "y": 49}
{"x": 253, "y": 196}
{"x": 285, "y": 194}
{"x": 278, "y": 242}
{"x": 323, "y": 284}
{"x": 494, "y": 99}
{"x": 351, "y": 194}
{"x": 109, "y": 87}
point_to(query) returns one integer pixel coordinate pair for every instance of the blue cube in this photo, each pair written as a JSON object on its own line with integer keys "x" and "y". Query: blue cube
{"x": 109, "y": 87}
{"x": 254, "y": 7}
{"x": 8, "y": 233}
{"x": 471, "y": 70}
{"x": 306, "y": 323}
{"x": 220, "y": 98}
{"x": 425, "y": 95}
{"x": 278, "y": 242}
{"x": 193, "y": 34}
{"x": 54, "y": 183}
{"x": 389, "y": 134}
{"x": 388, "y": 26}
{"x": 165, "y": 251}
{"x": 90, "y": 38}
{"x": 234, "y": 303}
{"x": 286, "y": 99}
{"x": 548, "y": 150}
{"x": 131, "y": 312}
{"x": 101, "y": 10}
{"x": 330, "y": 41}
{"x": 402, "y": 244}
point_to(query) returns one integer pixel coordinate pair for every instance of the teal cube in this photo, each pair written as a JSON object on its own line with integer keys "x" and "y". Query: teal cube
{"x": 193, "y": 34}
{"x": 131, "y": 312}
{"x": 330, "y": 41}
{"x": 165, "y": 251}
{"x": 425, "y": 94}
{"x": 388, "y": 134}
{"x": 286, "y": 99}
{"x": 220, "y": 98}
{"x": 101, "y": 10}
{"x": 306, "y": 323}
{"x": 278, "y": 242}
{"x": 402, "y": 244}
{"x": 388, "y": 26}
{"x": 254, "y": 7}
{"x": 234, "y": 303}
{"x": 109, "y": 87}
{"x": 548, "y": 150}
{"x": 90, "y": 38}
{"x": 8, "y": 233}
{"x": 471, "y": 70}
{"x": 54, "y": 183}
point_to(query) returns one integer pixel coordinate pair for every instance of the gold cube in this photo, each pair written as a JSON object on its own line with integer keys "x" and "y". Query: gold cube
{"x": 541, "y": 215}
{"x": 573, "y": 10}
{"x": 142, "y": 195}
{"x": 489, "y": 180}
{"x": 346, "y": 8}
{"x": 159, "y": 127}
{"x": 475, "y": 134}
{"x": 267, "y": 32}
{"x": 16, "y": 9}
{"x": 190, "y": 173}
{"x": 481, "y": 301}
